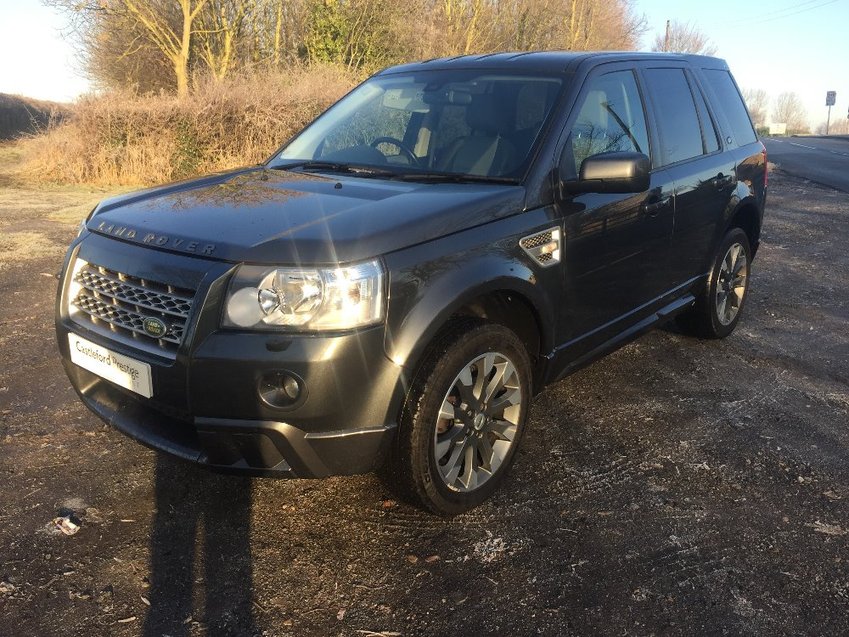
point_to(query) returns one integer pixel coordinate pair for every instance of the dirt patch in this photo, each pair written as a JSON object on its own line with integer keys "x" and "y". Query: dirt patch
{"x": 34, "y": 220}
{"x": 676, "y": 487}
{"x": 23, "y": 203}
{"x": 26, "y": 246}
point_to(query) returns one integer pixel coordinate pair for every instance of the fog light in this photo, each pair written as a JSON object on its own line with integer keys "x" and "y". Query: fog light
{"x": 281, "y": 389}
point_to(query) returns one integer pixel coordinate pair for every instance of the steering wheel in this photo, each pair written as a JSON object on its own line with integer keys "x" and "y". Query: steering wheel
{"x": 405, "y": 150}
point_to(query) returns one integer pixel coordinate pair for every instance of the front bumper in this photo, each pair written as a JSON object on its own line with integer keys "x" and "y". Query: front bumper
{"x": 253, "y": 447}
{"x": 206, "y": 406}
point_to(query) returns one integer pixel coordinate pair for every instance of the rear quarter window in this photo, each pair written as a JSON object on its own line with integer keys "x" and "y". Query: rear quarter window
{"x": 731, "y": 103}
{"x": 709, "y": 136}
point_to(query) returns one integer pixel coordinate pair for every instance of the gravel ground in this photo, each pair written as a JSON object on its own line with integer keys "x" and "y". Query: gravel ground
{"x": 676, "y": 487}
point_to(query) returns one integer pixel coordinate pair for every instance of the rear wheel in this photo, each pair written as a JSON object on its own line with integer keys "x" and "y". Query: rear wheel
{"x": 718, "y": 308}
{"x": 463, "y": 420}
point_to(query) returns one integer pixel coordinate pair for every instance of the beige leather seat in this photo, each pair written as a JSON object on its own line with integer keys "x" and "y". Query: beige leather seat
{"x": 486, "y": 151}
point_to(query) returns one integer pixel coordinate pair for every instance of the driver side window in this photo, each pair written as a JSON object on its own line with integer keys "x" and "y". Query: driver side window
{"x": 610, "y": 119}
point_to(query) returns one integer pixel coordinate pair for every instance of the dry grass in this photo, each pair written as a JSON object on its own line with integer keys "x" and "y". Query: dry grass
{"x": 123, "y": 139}
{"x": 16, "y": 247}
{"x": 22, "y": 199}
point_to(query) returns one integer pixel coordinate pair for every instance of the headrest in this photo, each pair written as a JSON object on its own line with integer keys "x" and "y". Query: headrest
{"x": 485, "y": 114}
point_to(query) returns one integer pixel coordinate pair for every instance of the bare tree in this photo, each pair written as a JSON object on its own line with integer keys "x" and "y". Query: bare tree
{"x": 272, "y": 33}
{"x": 683, "y": 37}
{"x": 838, "y": 127}
{"x": 165, "y": 26}
{"x": 473, "y": 26}
{"x": 117, "y": 53}
{"x": 757, "y": 101}
{"x": 288, "y": 19}
{"x": 789, "y": 109}
{"x": 616, "y": 27}
{"x": 221, "y": 27}
{"x": 161, "y": 44}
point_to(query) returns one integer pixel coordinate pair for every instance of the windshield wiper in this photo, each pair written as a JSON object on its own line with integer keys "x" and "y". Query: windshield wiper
{"x": 458, "y": 178}
{"x": 337, "y": 167}
{"x": 383, "y": 173}
{"x": 623, "y": 125}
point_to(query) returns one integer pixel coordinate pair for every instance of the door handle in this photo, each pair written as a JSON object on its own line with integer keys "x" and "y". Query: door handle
{"x": 653, "y": 206}
{"x": 721, "y": 181}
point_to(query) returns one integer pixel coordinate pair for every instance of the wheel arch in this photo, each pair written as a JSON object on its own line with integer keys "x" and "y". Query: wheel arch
{"x": 747, "y": 217}
{"x": 513, "y": 311}
{"x": 513, "y": 302}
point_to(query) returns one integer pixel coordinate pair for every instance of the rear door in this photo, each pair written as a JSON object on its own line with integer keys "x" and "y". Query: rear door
{"x": 689, "y": 148}
{"x": 616, "y": 245}
{"x": 740, "y": 138}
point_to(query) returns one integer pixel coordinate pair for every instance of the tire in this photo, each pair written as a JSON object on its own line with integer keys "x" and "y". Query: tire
{"x": 455, "y": 444}
{"x": 718, "y": 308}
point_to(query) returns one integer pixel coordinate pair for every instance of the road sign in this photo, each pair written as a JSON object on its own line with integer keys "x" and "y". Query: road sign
{"x": 830, "y": 99}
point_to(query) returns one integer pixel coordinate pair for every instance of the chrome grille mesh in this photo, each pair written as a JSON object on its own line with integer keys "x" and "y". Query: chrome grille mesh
{"x": 543, "y": 247}
{"x": 529, "y": 243}
{"x": 111, "y": 284}
{"x": 110, "y": 301}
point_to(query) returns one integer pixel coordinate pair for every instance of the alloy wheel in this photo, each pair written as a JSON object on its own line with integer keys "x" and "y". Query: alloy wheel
{"x": 731, "y": 283}
{"x": 478, "y": 422}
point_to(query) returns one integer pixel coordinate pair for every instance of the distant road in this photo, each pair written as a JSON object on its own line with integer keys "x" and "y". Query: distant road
{"x": 824, "y": 160}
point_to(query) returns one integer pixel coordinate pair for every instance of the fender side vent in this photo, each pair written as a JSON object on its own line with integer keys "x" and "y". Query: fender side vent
{"x": 543, "y": 247}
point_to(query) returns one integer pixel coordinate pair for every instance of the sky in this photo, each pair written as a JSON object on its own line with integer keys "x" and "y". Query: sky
{"x": 800, "y": 46}
{"x": 35, "y": 59}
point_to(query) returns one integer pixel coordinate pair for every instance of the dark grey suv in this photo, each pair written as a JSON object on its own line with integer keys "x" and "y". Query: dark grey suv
{"x": 398, "y": 281}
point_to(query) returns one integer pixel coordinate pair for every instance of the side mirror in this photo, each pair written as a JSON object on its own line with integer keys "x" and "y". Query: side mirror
{"x": 619, "y": 172}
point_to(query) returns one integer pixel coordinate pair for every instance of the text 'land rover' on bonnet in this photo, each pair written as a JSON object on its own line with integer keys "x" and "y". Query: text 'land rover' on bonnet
{"x": 399, "y": 280}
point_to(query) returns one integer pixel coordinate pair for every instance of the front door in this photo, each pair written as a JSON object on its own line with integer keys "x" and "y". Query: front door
{"x": 616, "y": 245}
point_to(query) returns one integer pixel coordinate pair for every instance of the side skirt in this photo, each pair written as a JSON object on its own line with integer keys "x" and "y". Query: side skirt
{"x": 563, "y": 362}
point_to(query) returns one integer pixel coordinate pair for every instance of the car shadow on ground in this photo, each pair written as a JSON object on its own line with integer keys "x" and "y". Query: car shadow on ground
{"x": 200, "y": 553}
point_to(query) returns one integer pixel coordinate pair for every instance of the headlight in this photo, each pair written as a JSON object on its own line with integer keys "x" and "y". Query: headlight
{"x": 305, "y": 299}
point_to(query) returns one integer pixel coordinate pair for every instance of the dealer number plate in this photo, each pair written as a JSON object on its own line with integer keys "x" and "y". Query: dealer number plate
{"x": 117, "y": 368}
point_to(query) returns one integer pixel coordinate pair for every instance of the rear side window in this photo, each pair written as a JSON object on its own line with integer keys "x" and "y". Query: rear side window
{"x": 678, "y": 123}
{"x": 732, "y": 105}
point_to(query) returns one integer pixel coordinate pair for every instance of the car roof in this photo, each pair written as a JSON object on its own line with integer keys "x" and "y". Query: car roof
{"x": 546, "y": 61}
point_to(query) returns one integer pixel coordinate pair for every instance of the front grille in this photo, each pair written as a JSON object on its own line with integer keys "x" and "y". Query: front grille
{"x": 119, "y": 304}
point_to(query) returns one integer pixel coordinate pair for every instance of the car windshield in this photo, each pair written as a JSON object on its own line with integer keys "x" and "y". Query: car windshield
{"x": 449, "y": 123}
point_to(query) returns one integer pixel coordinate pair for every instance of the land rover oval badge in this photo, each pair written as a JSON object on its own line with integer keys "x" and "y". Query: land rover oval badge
{"x": 153, "y": 327}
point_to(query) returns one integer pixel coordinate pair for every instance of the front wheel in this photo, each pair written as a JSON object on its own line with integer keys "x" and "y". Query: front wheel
{"x": 718, "y": 307}
{"x": 463, "y": 420}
